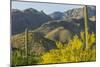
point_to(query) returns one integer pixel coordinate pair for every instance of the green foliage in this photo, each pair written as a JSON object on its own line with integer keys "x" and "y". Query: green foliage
{"x": 18, "y": 58}
{"x": 33, "y": 59}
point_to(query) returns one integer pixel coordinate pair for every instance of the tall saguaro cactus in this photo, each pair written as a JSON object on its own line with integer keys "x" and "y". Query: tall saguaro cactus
{"x": 86, "y": 25}
{"x": 26, "y": 44}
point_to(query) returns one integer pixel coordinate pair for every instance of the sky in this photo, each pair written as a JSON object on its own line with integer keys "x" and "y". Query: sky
{"x": 46, "y": 7}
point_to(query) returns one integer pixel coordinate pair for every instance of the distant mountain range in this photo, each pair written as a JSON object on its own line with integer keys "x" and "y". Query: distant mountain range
{"x": 74, "y": 13}
{"x": 32, "y": 19}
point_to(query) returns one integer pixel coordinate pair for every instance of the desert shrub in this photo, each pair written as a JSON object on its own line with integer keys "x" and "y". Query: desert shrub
{"x": 18, "y": 58}
{"x": 33, "y": 59}
{"x": 91, "y": 40}
{"x": 72, "y": 52}
{"x": 75, "y": 43}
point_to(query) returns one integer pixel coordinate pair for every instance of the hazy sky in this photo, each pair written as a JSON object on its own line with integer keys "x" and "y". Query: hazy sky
{"x": 46, "y": 7}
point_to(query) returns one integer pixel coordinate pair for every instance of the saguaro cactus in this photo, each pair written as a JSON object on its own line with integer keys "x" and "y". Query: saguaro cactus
{"x": 26, "y": 44}
{"x": 86, "y": 25}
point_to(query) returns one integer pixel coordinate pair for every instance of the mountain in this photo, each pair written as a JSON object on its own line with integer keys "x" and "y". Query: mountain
{"x": 28, "y": 18}
{"x": 78, "y": 12}
{"x": 57, "y": 15}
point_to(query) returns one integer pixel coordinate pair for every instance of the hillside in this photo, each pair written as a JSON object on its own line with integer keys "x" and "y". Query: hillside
{"x": 36, "y": 42}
